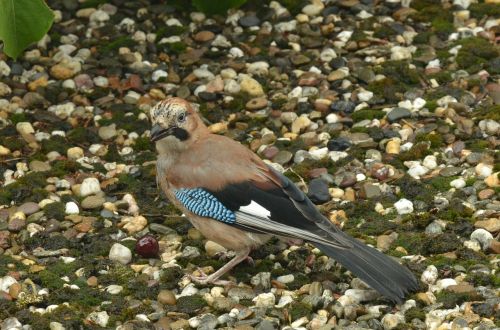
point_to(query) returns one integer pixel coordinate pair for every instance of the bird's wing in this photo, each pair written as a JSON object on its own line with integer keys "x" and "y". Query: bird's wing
{"x": 244, "y": 192}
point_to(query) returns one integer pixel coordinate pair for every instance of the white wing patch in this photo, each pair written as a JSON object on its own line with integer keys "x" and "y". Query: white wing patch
{"x": 256, "y": 209}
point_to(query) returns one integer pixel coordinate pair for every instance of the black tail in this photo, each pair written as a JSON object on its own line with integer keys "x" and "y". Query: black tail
{"x": 379, "y": 271}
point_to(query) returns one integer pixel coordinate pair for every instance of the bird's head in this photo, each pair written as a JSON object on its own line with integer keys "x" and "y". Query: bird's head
{"x": 175, "y": 117}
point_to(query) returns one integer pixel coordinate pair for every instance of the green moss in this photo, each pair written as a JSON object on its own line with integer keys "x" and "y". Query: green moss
{"x": 172, "y": 30}
{"x": 113, "y": 45}
{"x": 422, "y": 37}
{"x": 170, "y": 276}
{"x": 413, "y": 189}
{"x": 419, "y": 220}
{"x": 17, "y": 118}
{"x": 475, "y": 53}
{"x": 442, "y": 25}
{"x": 487, "y": 112}
{"x": 442, "y": 183}
{"x": 442, "y": 77}
{"x": 190, "y": 304}
{"x": 55, "y": 210}
{"x": 64, "y": 167}
{"x": 452, "y": 299}
{"x": 480, "y": 10}
{"x": 417, "y": 152}
{"x": 389, "y": 88}
{"x": 420, "y": 243}
{"x": 117, "y": 274}
{"x": 298, "y": 310}
{"x": 435, "y": 139}
{"x": 299, "y": 280}
{"x": 294, "y": 6}
{"x": 13, "y": 143}
{"x": 414, "y": 313}
{"x": 82, "y": 136}
{"x": 55, "y": 143}
{"x": 384, "y": 32}
{"x": 143, "y": 144}
{"x": 481, "y": 279}
{"x": 50, "y": 280}
{"x": 367, "y": 114}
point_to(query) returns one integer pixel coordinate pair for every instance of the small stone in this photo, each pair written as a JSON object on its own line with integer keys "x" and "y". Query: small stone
{"x": 486, "y": 194}
{"x": 318, "y": 191}
{"x": 92, "y": 202}
{"x": 492, "y": 225}
{"x": 393, "y": 146}
{"x": 39, "y": 166}
{"x": 430, "y": 275}
{"x": 397, "y": 114}
{"x": 204, "y": 36}
{"x": 11, "y": 323}
{"x": 256, "y": 104}
{"x": 249, "y": 21}
{"x": 300, "y": 124}
{"x": 166, "y": 297}
{"x": 384, "y": 242}
{"x": 458, "y": 183}
{"x": 107, "y": 132}
{"x": 134, "y": 224}
{"x": 483, "y": 237}
{"x": 72, "y": 208}
{"x": 493, "y": 180}
{"x": 339, "y": 144}
{"x": 120, "y": 253}
{"x": 24, "y": 128}
{"x": 90, "y": 186}
{"x": 251, "y": 86}
{"x": 391, "y": 321}
{"x": 99, "y": 318}
{"x": 213, "y": 248}
{"x": 29, "y": 208}
{"x": 404, "y": 206}
{"x": 450, "y": 171}
{"x": 430, "y": 162}
{"x": 286, "y": 278}
{"x": 265, "y": 300}
{"x": 75, "y": 153}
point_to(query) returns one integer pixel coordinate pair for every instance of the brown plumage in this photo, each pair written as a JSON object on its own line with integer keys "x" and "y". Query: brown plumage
{"x": 236, "y": 200}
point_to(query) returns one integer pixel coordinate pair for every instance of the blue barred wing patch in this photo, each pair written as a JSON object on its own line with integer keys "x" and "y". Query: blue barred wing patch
{"x": 204, "y": 204}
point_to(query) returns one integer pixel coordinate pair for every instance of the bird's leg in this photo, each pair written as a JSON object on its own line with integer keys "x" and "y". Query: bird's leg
{"x": 213, "y": 278}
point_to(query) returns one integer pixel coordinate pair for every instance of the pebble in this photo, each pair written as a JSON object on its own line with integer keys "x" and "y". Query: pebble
{"x": 404, "y": 206}
{"x": 99, "y": 318}
{"x": 256, "y": 104}
{"x": 251, "y": 86}
{"x": 483, "y": 237}
{"x": 430, "y": 275}
{"x": 265, "y": 300}
{"x": 120, "y": 253}
{"x": 72, "y": 208}
{"x": 166, "y": 297}
{"x": 90, "y": 186}
{"x": 212, "y": 248}
{"x": 397, "y": 114}
{"x": 107, "y": 132}
{"x": 92, "y": 202}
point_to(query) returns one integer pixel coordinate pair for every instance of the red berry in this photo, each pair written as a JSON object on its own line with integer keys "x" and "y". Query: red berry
{"x": 147, "y": 246}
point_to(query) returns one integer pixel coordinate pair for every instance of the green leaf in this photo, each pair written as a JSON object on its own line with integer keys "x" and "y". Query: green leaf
{"x": 23, "y": 22}
{"x": 212, "y": 7}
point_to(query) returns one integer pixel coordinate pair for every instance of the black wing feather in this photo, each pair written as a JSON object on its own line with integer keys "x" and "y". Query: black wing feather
{"x": 290, "y": 209}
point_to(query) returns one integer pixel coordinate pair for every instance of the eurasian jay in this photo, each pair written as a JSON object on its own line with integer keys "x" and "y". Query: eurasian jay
{"x": 235, "y": 199}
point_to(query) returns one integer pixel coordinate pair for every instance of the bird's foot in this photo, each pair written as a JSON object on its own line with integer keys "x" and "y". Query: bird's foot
{"x": 204, "y": 279}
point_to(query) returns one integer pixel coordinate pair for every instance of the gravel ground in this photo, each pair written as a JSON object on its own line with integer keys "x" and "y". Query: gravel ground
{"x": 386, "y": 112}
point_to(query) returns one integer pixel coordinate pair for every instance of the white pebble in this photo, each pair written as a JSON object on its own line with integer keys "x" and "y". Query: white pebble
{"x": 417, "y": 171}
{"x": 430, "y": 162}
{"x": 458, "y": 183}
{"x": 6, "y": 282}
{"x": 444, "y": 283}
{"x": 365, "y": 96}
{"x": 120, "y": 253}
{"x": 72, "y": 208}
{"x": 286, "y": 278}
{"x": 264, "y": 300}
{"x": 404, "y": 206}
{"x": 99, "y": 318}
{"x": 430, "y": 275}
{"x": 483, "y": 236}
{"x": 159, "y": 74}
{"x": 89, "y": 186}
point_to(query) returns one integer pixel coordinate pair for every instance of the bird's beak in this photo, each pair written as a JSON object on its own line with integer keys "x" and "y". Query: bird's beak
{"x": 158, "y": 132}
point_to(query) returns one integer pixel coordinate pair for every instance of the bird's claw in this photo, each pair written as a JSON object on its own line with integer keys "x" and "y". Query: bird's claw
{"x": 204, "y": 279}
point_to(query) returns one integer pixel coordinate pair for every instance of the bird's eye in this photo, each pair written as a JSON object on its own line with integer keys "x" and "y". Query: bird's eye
{"x": 181, "y": 117}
